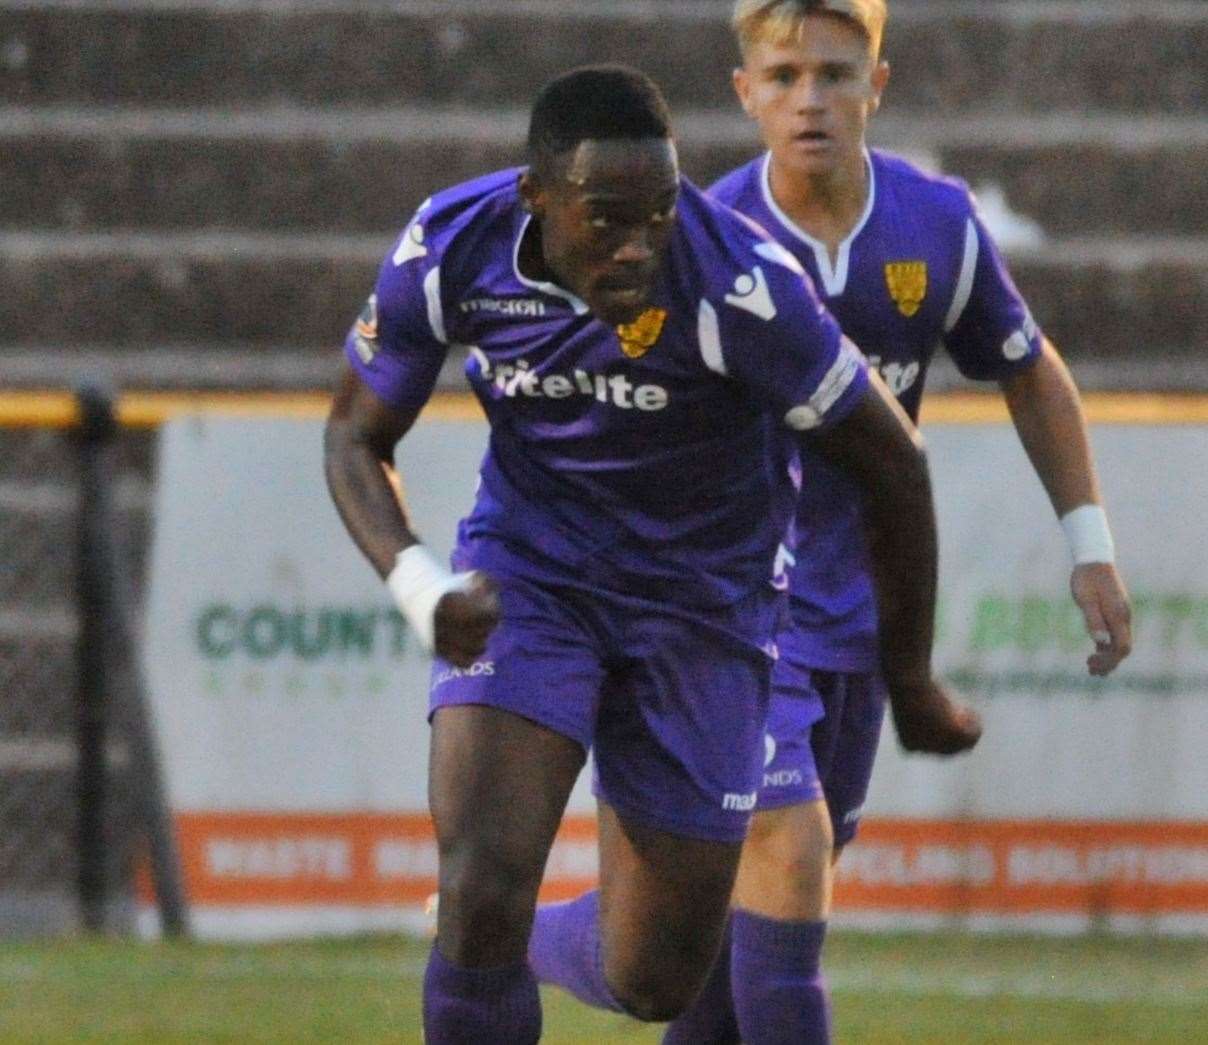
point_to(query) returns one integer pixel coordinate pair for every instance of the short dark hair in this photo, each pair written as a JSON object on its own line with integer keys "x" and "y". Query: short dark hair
{"x": 595, "y": 102}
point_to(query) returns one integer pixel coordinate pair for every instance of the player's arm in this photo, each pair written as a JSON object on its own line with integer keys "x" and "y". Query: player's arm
{"x": 792, "y": 353}
{"x": 992, "y": 336}
{"x": 1047, "y": 413}
{"x": 358, "y": 458}
{"x": 453, "y": 614}
{"x": 876, "y": 445}
{"x": 393, "y": 355}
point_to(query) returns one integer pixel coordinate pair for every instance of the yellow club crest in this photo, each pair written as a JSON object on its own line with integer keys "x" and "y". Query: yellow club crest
{"x": 638, "y": 337}
{"x": 907, "y": 282}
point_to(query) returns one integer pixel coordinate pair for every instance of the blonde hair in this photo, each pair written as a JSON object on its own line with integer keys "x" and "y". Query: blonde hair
{"x": 781, "y": 21}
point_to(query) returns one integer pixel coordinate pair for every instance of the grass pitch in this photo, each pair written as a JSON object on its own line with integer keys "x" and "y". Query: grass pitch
{"x": 887, "y": 988}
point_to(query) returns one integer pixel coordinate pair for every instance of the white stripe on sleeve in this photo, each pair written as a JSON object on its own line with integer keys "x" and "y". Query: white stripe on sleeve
{"x": 964, "y": 283}
{"x": 708, "y": 333}
{"x": 832, "y": 386}
{"x": 436, "y": 316}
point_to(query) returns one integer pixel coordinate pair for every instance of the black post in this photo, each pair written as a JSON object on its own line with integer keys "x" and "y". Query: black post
{"x": 154, "y": 814}
{"x": 111, "y": 681}
{"x": 94, "y": 595}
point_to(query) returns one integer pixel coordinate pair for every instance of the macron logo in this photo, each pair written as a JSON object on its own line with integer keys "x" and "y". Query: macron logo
{"x": 751, "y": 294}
{"x": 739, "y": 803}
{"x": 412, "y": 245}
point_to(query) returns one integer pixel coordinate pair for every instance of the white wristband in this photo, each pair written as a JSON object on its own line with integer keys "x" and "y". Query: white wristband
{"x": 417, "y": 582}
{"x": 1088, "y": 535}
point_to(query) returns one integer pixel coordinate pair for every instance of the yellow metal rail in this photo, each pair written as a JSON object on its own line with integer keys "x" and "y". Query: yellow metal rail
{"x": 1110, "y": 408}
{"x": 57, "y": 409}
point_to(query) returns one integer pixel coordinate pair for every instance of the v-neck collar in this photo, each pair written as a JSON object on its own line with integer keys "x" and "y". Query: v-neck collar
{"x": 834, "y": 277}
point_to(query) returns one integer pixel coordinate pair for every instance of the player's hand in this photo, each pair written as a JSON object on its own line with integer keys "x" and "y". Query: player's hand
{"x": 1100, "y": 595}
{"x": 928, "y": 720}
{"x": 464, "y": 619}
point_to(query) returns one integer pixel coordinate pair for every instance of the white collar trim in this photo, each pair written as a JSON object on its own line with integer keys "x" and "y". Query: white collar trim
{"x": 576, "y": 303}
{"x": 834, "y": 277}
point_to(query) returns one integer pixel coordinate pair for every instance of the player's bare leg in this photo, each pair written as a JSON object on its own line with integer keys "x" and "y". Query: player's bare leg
{"x": 663, "y": 904}
{"x": 784, "y": 876}
{"x": 498, "y": 784}
{"x": 785, "y": 870}
{"x": 644, "y": 941}
{"x": 781, "y": 905}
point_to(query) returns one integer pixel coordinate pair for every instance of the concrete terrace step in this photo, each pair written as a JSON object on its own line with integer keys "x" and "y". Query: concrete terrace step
{"x": 1100, "y": 298}
{"x": 191, "y": 366}
{"x": 364, "y": 170}
{"x": 254, "y": 367}
{"x": 947, "y": 56}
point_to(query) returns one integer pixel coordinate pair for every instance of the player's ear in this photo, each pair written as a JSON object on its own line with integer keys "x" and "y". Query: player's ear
{"x": 880, "y": 77}
{"x": 532, "y": 197}
{"x": 742, "y": 87}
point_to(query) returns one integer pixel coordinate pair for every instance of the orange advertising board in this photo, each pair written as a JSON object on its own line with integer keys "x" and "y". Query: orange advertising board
{"x": 1026, "y": 867}
{"x": 255, "y": 859}
{"x": 915, "y": 866}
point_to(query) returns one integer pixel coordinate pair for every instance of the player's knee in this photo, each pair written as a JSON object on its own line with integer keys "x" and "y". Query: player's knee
{"x": 657, "y": 978}
{"x": 654, "y": 995}
{"x": 807, "y": 867}
{"x": 786, "y": 864}
{"x": 791, "y": 851}
{"x": 486, "y": 898}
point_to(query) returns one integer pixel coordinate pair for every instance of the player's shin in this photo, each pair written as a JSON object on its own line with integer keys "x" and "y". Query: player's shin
{"x": 710, "y": 1019}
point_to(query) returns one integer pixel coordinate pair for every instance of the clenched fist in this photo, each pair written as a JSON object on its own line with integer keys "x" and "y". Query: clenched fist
{"x": 465, "y": 618}
{"x": 928, "y": 720}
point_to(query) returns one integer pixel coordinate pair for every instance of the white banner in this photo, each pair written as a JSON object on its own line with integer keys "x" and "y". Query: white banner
{"x": 1059, "y": 743}
{"x": 290, "y": 699}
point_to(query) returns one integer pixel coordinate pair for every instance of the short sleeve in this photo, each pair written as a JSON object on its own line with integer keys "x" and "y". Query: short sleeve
{"x": 398, "y": 343}
{"x": 989, "y": 331}
{"x": 772, "y": 334}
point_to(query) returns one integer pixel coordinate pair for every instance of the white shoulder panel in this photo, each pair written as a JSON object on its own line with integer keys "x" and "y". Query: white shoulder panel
{"x": 964, "y": 283}
{"x": 709, "y": 334}
{"x": 436, "y": 316}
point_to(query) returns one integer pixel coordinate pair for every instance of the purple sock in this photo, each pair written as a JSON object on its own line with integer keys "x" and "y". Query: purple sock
{"x": 779, "y": 992}
{"x": 710, "y": 1019}
{"x": 565, "y": 950}
{"x": 495, "y": 1006}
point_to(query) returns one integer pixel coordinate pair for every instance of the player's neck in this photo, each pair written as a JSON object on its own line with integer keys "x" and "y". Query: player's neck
{"x": 531, "y": 257}
{"x": 826, "y": 206}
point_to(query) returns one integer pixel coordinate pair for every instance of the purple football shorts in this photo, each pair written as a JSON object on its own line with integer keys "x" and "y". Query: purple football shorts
{"x": 672, "y": 705}
{"x": 821, "y": 742}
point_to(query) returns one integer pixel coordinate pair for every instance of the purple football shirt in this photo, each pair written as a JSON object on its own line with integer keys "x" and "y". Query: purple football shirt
{"x": 642, "y": 459}
{"x": 918, "y": 271}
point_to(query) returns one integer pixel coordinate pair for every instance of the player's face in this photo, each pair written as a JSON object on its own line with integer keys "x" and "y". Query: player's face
{"x": 812, "y": 97}
{"x": 606, "y": 214}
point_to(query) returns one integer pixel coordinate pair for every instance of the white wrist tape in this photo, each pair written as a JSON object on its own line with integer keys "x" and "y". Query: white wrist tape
{"x": 417, "y": 582}
{"x": 1088, "y": 535}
